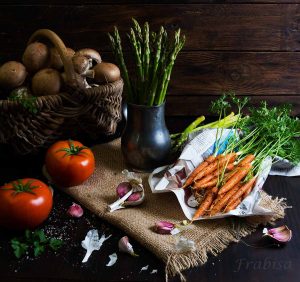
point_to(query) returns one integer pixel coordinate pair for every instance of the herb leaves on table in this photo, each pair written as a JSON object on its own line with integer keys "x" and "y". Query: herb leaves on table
{"x": 35, "y": 241}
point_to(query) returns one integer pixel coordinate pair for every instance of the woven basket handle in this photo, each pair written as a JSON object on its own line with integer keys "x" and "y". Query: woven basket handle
{"x": 62, "y": 50}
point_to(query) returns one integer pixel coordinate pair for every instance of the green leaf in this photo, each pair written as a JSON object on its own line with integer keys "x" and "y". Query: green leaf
{"x": 40, "y": 235}
{"x": 38, "y": 249}
{"x": 18, "y": 247}
{"x": 28, "y": 235}
{"x": 55, "y": 244}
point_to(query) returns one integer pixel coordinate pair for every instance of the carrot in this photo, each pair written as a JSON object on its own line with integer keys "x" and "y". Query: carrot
{"x": 223, "y": 201}
{"x": 210, "y": 159}
{"x": 203, "y": 180}
{"x": 232, "y": 205}
{"x": 214, "y": 189}
{"x": 243, "y": 189}
{"x": 216, "y": 173}
{"x": 219, "y": 162}
{"x": 191, "y": 177}
{"x": 211, "y": 183}
{"x": 247, "y": 192}
{"x": 248, "y": 159}
{"x": 235, "y": 178}
{"x": 208, "y": 199}
{"x": 230, "y": 167}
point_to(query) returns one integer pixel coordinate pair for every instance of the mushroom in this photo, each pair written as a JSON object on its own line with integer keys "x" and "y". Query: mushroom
{"x": 46, "y": 82}
{"x": 55, "y": 60}
{"x": 91, "y": 54}
{"x": 36, "y": 56}
{"x": 80, "y": 81}
{"x": 82, "y": 66}
{"x": 106, "y": 73}
{"x": 12, "y": 75}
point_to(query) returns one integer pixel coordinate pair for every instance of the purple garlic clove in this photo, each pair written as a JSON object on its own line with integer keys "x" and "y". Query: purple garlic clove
{"x": 164, "y": 227}
{"x": 123, "y": 188}
{"x": 134, "y": 197}
{"x": 126, "y": 247}
{"x": 75, "y": 210}
{"x": 281, "y": 234}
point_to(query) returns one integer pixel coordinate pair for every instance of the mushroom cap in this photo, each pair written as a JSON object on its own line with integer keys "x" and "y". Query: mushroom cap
{"x": 46, "y": 82}
{"x": 55, "y": 59}
{"x": 90, "y": 54}
{"x": 106, "y": 73}
{"x": 12, "y": 75}
{"x": 81, "y": 64}
{"x": 36, "y": 56}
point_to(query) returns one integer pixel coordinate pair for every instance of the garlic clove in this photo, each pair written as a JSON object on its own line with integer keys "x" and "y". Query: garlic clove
{"x": 134, "y": 197}
{"x": 164, "y": 227}
{"x": 75, "y": 210}
{"x": 126, "y": 247}
{"x": 123, "y": 188}
{"x": 281, "y": 234}
{"x": 130, "y": 193}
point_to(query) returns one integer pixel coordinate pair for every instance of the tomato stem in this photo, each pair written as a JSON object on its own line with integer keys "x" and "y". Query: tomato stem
{"x": 19, "y": 187}
{"x": 72, "y": 150}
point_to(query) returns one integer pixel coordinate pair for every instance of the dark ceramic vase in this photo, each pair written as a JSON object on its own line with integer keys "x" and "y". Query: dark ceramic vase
{"x": 146, "y": 140}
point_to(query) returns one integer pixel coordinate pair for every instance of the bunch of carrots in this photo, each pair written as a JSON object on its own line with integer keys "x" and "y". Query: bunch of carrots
{"x": 225, "y": 181}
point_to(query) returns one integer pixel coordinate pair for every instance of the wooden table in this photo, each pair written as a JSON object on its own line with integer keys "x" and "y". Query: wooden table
{"x": 239, "y": 262}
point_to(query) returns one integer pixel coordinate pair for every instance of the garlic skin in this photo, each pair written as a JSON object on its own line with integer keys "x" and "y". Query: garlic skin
{"x": 92, "y": 242}
{"x": 184, "y": 245}
{"x": 126, "y": 247}
{"x": 281, "y": 234}
{"x": 75, "y": 210}
{"x": 164, "y": 227}
{"x": 112, "y": 259}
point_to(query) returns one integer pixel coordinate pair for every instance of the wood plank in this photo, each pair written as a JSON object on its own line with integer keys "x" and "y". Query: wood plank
{"x": 100, "y": 2}
{"x": 207, "y": 26}
{"x": 199, "y": 105}
{"x": 246, "y": 73}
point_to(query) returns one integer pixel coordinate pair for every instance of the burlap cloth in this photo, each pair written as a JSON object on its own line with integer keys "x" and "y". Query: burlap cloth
{"x": 211, "y": 236}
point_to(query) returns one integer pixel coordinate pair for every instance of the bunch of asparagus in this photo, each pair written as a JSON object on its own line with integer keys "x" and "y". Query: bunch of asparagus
{"x": 154, "y": 57}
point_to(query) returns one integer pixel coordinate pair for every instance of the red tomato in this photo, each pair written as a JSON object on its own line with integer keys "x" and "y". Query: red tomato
{"x": 69, "y": 163}
{"x": 24, "y": 204}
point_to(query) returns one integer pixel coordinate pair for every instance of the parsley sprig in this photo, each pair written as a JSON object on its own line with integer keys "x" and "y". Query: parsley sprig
{"x": 22, "y": 96}
{"x": 35, "y": 241}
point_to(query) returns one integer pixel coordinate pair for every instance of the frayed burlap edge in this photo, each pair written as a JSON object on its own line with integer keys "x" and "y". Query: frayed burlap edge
{"x": 177, "y": 263}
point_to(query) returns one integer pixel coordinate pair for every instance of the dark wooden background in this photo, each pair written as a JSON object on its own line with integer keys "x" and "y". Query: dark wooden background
{"x": 250, "y": 47}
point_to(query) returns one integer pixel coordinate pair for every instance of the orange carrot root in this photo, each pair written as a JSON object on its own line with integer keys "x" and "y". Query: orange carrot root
{"x": 232, "y": 205}
{"x": 221, "y": 203}
{"x": 235, "y": 178}
{"x": 243, "y": 189}
{"x": 191, "y": 177}
{"x": 207, "y": 201}
{"x": 247, "y": 160}
{"x": 219, "y": 162}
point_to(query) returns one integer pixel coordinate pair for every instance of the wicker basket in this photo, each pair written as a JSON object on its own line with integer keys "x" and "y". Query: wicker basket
{"x": 93, "y": 111}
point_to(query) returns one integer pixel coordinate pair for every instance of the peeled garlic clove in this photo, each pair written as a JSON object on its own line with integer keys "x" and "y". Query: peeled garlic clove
{"x": 125, "y": 246}
{"x": 164, "y": 227}
{"x": 75, "y": 210}
{"x": 281, "y": 234}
